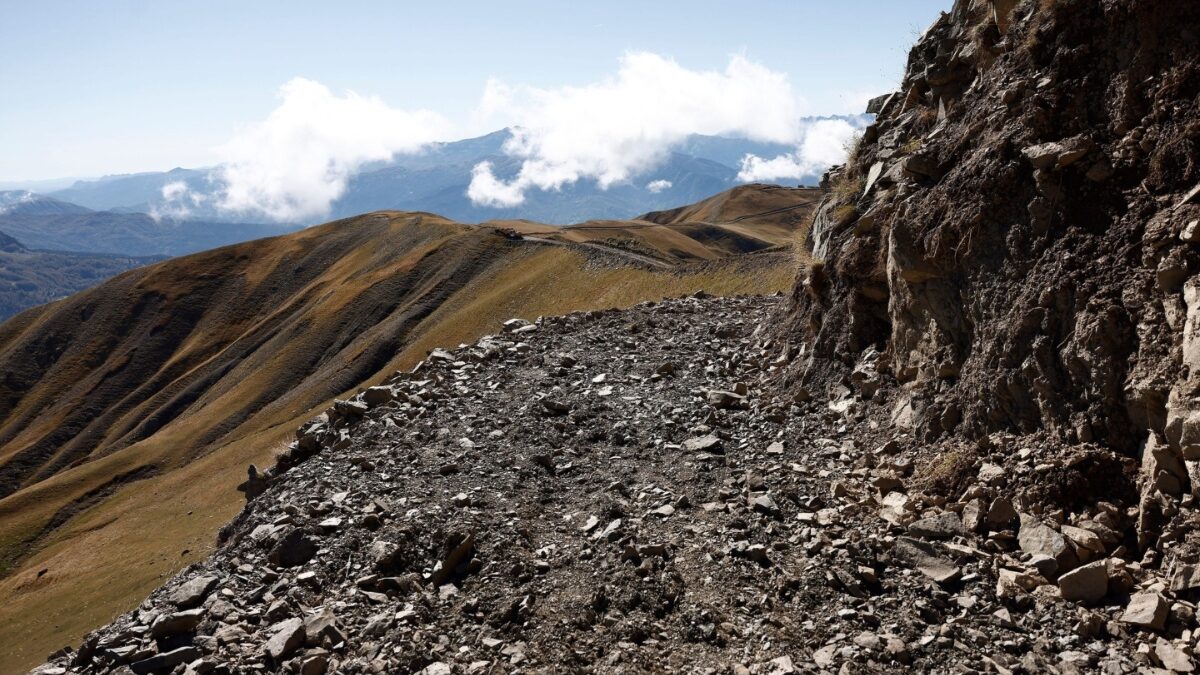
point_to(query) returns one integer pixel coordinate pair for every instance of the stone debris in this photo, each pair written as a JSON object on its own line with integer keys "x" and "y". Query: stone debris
{"x": 647, "y": 531}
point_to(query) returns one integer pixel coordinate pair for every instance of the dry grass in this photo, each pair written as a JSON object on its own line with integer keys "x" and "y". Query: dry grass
{"x": 845, "y": 213}
{"x": 846, "y": 189}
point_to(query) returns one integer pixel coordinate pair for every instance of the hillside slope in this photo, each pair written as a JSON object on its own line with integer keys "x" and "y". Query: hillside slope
{"x": 129, "y": 412}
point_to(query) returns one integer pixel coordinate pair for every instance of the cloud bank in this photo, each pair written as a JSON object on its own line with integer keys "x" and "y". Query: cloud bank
{"x": 627, "y": 124}
{"x": 296, "y": 162}
{"x": 823, "y": 143}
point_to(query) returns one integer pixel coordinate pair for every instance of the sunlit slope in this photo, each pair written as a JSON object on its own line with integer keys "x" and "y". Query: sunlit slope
{"x": 745, "y": 219}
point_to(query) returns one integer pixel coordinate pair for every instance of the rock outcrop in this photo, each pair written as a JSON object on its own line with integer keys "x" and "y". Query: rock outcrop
{"x": 1015, "y": 234}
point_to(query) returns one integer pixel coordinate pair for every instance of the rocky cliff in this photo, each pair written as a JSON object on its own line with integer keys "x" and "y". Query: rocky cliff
{"x": 1013, "y": 241}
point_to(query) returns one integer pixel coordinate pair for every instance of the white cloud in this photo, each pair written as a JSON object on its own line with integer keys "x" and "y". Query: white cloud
{"x": 11, "y": 200}
{"x": 178, "y": 201}
{"x": 823, "y": 143}
{"x": 615, "y": 129}
{"x": 659, "y": 185}
{"x": 296, "y": 162}
{"x": 487, "y": 190}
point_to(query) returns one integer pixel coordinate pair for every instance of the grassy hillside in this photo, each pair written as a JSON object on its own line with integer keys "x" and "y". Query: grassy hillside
{"x": 128, "y": 413}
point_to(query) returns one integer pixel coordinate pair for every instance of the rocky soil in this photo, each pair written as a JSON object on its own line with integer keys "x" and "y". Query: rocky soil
{"x": 622, "y": 492}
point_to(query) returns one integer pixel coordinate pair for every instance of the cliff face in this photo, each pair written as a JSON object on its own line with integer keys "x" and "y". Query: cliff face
{"x": 1014, "y": 240}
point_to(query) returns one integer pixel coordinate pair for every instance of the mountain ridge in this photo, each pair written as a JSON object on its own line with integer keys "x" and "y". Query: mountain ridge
{"x": 170, "y": 378}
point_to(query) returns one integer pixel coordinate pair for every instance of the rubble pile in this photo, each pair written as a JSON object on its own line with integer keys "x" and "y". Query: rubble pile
{"x": 626, "y": 491}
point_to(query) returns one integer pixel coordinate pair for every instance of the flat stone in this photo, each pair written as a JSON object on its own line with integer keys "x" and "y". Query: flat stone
{"x": 176, "y": 623}
{"x": 193, "y": 592}
{"x": 1037, "y": 538}
{"x": 925, "y": 558}
{"x": 709, "y": 443}
{"x": 1172, "y": 658}
{"x": 1146, "y": 610}
{"x": 1088, "y": 583}
{"x": 1043, "y": 156}
{"x": 1083, "y": 540}
{"x": 165, "y": 660}
{"x": 944, "y": 525}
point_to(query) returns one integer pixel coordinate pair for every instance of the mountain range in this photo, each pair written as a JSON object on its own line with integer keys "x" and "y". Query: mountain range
{"x": 47, "y": 223}
{"x": 436, "y": 180}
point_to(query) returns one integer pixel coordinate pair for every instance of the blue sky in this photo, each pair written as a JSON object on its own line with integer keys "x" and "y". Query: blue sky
{"x": 89, "y": 88}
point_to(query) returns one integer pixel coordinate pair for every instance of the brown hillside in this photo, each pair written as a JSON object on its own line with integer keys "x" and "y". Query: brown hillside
{"x": 745, "y": 219}
{"x": 128, "y": 413}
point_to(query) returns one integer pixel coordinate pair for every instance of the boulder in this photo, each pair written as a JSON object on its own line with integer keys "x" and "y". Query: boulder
{"x": 944, "y": 525}
{"x": 1037, "y": 538}
{"x": 1088, "y": 583}
{"x": 292, "y": 550}
{"x": 321, "y": 626}
{"x": 1185, "y": 578}
{"x": 193, "y": 592}
{"x": 383, "y": 554}
{"x": 1146, "y": 610}
{"x": 376, "y": 396}
{"x": 724, "y": 400}
{"x": 286, "y": 637}
{"x": 176, "y": 623}
{"x": 1163, "y": 467}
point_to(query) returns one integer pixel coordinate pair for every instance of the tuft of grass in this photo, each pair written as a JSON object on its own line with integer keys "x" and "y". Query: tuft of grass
{"x": 852, "y": 147}
{"x": 846, "y": 189}
{"x": 844, "y": 214}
